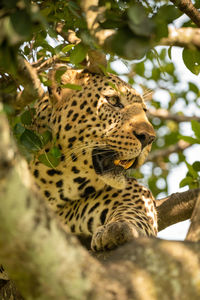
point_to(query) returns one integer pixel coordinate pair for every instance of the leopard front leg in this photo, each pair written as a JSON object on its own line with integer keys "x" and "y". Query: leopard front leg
{"x": 133, "y": 216}
{"x": 113, "y": 216}
{"x": 113, "y": 234}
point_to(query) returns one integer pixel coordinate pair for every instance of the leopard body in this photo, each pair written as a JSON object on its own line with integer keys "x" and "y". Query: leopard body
{"x": 99, "y": 128}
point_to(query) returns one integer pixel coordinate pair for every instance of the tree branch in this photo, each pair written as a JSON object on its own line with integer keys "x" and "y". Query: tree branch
{"x": 180, "y": 146}
{"x": 165, "y": 115}
{"x": 182, "y": 37}
{"x": 94, "y": 15}
{"x": 45, "y": 65}
{"x": 176, "y": 208}
{"x": 188, "y": 8}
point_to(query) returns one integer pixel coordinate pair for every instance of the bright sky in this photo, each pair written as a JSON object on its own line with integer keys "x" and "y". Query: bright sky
{"x": 179, "y": 230}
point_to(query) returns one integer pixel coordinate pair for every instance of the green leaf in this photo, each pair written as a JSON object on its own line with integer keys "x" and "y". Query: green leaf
{"x": 196, "y": 166}
{"x": 140, "y": 69}
{"x": 26, "y": 50}
{"x": 30, "y": 141}
{"x": 67, "y": 48}
{"x": 191, "y": 170}
{"x": 71, "y": 86}
{"x": 137, "y": 13}
{"x": 59, "y": 73}
{"x": 113, "y": 85}
{"x": 49, "y": 160}
{"x": 18, "y": 130}
{"x": 46, "y": 137}
{"x": 26, "y": 117}
{"x": 193, "y": 88}
{"x": 21, "y": 23}
{"x": 186, "y": 181}
{"x": 189, "y": 139}
{"x": 8, "y": 109}
{"x": 170, "y": 52}
{"x": 191, "y": 59}
{"x": 196, "y": 128}
{"x": 55, "y": 151}
{"x": 139, "y": 23}
{"x": 167, "y": 13}
{"x": 78, "y": 54}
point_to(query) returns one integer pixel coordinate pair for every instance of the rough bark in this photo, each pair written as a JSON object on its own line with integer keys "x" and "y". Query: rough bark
{"x": 194, "y": 230}
{"x": 176, "y": 208}
{"x": 188, "y": 8}
{"x": 47, "y": 263}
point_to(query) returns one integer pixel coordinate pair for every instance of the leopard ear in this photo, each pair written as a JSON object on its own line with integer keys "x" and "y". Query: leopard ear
{"x": 60, "y": 76}
{"x": 147, "y": 94}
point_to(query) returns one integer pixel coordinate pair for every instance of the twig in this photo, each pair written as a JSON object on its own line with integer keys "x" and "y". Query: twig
{"x": 188, "y": 8}
{"x": 44, "y": 65}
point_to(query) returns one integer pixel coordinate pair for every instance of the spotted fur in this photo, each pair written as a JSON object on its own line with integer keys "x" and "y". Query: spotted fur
{"x": 92, "y": 127}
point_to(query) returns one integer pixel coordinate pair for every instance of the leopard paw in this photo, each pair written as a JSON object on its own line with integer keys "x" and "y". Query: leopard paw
{"x": 110, "y": 236}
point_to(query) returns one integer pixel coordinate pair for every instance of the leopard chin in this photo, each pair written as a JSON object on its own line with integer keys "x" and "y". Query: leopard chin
{"x": 117, "y": 181}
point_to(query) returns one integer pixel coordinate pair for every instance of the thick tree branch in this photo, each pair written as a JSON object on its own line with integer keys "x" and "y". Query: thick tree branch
{"x": 188, "y": 8}
{"x": 182, "y": 37}
{"x": 40, "y": 253}
{"x": 166, "y": 115}
{"x": 176, "y": 208}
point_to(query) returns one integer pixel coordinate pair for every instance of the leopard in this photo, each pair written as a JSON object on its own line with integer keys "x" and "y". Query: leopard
{"x": 99, "y": 123}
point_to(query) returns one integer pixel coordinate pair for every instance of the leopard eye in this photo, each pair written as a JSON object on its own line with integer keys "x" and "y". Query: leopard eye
{"x": 145, "y": 109}
{"x": 114, "y": 101}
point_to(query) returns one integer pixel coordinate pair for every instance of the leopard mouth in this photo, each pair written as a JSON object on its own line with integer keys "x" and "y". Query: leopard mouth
{"x": 107, "y": 161}
{"x": 126, "y": 164}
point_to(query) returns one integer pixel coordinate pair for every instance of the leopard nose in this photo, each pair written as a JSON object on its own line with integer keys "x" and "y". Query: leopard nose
{"x": 144, "y": 138}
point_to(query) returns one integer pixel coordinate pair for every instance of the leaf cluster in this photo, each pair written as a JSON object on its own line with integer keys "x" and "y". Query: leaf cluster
{"x": 192, "y": 178}
{"x": 138, "y": 25}
{"x": 33, "y": 144}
